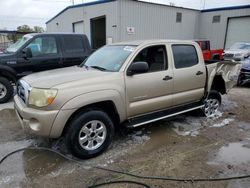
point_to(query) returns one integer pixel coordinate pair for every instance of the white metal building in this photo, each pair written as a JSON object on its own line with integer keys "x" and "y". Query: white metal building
{"x": 107, "y": 21}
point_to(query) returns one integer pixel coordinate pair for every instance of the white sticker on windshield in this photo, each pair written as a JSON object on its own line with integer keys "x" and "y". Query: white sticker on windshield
{"x": 129, "y": 48}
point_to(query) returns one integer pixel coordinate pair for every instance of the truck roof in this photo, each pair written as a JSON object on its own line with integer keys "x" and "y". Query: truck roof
{"x": 140, "y": 42}
{"x": 52, "y": 33}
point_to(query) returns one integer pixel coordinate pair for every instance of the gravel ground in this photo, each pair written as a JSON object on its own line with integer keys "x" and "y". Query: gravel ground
{"x": 184, "y": 146}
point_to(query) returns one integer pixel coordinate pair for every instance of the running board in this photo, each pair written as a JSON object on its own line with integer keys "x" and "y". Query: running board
{"x": 155, "y": 116}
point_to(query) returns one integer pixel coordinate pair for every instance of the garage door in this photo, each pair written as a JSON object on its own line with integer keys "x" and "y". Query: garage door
{"x": 78, "y": 27}
{"x": 238, "y": 31}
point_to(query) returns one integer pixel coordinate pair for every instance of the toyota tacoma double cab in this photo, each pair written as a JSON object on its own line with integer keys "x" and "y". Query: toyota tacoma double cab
{"x": 124, "y": 84}
{"x": 39, "y": 52}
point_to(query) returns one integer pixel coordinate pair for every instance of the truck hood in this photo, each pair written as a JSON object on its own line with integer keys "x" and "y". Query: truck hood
{"x": 53, "y": 78}
{"x": 246, "y": 64}
{"x": 5, "y": 55}
{"x": 236, "y": 51}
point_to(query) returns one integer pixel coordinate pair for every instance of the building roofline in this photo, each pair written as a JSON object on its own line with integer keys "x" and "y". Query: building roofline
{"x": 107, "y": 1}
{"x": 80, "y": 5}
{"x": 226, "y": 8}
{"x": 160, "y": 4}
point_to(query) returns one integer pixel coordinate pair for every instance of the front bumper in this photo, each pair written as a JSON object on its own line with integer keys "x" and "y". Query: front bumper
{"x": 35, "y": 121}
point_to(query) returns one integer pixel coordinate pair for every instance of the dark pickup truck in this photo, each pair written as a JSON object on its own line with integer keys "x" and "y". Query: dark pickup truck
{"x": 39, "y": 52}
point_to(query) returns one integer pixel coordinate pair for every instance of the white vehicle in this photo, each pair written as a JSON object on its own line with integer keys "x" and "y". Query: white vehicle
{"x": 240, "y": 50}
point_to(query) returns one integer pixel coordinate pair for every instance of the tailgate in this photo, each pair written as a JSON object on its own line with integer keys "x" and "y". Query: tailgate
{"x": 230, "y": 71}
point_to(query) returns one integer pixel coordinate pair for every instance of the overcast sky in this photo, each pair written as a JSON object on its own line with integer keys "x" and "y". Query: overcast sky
{"x": 36, "y": 12}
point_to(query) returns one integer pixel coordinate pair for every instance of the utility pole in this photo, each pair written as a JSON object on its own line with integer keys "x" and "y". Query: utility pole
{"x": 73, "y": 2}
{"x": 204, "y": 4}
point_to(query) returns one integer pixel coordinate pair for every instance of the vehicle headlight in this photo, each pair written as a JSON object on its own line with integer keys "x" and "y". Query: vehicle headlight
{"x": 42, "y": 97}
{"x": 239, "y": 54}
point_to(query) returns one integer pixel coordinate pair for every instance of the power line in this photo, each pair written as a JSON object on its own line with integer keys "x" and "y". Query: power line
{"x": 54, "y": 1}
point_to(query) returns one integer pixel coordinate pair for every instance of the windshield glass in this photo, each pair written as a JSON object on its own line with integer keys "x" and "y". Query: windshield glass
{"x": 109, "y": 58}
{"x": 242, "y": 46}
{"x": 14, "y": 47}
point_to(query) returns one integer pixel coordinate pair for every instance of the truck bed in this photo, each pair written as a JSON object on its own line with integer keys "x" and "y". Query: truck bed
{"x": 229, "y": 70}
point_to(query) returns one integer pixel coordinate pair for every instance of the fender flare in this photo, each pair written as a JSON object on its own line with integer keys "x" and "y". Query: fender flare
{"x": 81, "y": 101}
{"x": 8, "y": 72}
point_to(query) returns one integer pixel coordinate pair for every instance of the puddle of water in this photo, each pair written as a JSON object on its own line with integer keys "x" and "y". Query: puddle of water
{"x": 234, "y": 153}
{"x": 225, "y": 122}
{"x": 227, "y": 104}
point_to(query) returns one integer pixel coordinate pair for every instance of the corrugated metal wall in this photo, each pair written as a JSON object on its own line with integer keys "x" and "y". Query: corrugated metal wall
{"x": 150, "y": 21}
{"x": 156, "y": 21}
{"x": 66, "y": 19}
{"x": 216, "y": 32}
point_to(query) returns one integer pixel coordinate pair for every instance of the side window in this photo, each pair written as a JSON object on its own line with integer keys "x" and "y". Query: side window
{"x": 43, "y": 46}
{"x": 184, "y": 56}
{"x": 73, "y": 44}
{"x": 204, "y": 45}
{"x": 155, "y": 56}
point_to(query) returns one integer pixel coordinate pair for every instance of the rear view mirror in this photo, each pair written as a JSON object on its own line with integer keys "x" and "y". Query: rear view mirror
{"x": 137, "y": 68}
{"x": 27, "y": 53}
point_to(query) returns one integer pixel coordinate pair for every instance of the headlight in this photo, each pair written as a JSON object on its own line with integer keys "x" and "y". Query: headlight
{"x": 239, "y": 54}
{"x": 42, "y": 97}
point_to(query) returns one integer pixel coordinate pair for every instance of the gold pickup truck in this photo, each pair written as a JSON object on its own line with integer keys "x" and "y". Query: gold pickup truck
{"x": 123, "y": 84}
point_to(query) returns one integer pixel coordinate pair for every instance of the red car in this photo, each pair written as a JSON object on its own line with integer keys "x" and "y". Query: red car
{"x": 209, "y": 54}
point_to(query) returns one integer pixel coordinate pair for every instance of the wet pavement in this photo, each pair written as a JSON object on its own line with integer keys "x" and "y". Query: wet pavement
{"x": 188, "y": 145}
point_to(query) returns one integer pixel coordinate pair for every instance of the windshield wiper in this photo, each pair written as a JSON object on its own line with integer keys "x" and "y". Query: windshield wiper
{"x": 99, "y": 68}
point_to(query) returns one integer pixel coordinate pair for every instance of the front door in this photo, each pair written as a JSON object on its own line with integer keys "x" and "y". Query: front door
{"x": 45, "y": 55}
{"x": 150, "y": 91}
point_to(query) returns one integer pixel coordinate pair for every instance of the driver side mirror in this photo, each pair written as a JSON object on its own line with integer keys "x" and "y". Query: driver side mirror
{"x": 27, "y": 53}
{"x": 138, "y": 68}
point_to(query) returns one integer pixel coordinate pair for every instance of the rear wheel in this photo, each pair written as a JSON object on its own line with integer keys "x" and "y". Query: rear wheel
{"x": 6, "y": 90}
{"x": 90, "y": 134}
{"x": 212, "y": 104}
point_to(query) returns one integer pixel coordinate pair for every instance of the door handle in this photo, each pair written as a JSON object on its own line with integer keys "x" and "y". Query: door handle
{"x": 166, "y": 78}
{"x": 199, "y": 73}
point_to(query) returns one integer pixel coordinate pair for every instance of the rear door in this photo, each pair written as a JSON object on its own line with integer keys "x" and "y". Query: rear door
{"x": 189, "y": 74}
{"x": 152, "y": 90}
{"x": 74, "y": 50}
{"x": 46, "y": 54}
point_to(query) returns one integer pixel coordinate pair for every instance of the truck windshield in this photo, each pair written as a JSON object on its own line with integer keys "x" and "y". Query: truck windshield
{"x": 109, "y": 58}
{"x": 14, "y": 47}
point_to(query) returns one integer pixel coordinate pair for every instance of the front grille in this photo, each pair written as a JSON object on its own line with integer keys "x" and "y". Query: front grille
{"x": 245, "y": 70}
{"x": 228, "y": 55}
{"x": 23, "y": 90}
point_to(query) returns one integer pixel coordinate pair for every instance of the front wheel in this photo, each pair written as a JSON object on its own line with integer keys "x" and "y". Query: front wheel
{"x": 212, "y": 104}
{"x": 90, "y": 134}
{"x": 6, "y": 90}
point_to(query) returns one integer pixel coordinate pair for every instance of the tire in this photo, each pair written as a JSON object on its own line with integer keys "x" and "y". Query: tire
{"x": 212, "y": 104}
{"x": 6, "y": 90}
{"x": 239, "y": 81}
{"x": 85, "y": 126}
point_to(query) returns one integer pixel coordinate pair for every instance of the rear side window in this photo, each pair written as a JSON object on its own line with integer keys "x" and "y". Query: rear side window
{"x": 73, "y": 44}
{"x": 184, "y": 56}
{"x": 204, "y": 45}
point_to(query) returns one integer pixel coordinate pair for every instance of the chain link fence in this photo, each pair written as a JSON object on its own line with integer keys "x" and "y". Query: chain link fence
{"x": 9, "y": 37}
